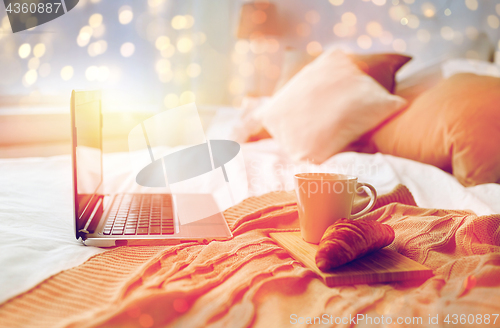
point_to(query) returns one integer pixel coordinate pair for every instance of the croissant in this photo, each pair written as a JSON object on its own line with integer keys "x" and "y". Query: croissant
{"x": 347, "y": 240}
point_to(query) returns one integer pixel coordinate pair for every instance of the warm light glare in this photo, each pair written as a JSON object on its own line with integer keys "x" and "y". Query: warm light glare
{"x": 187, "y": 97}
{"x": 39, "y": 50}
{"x": 163, "y": 65}
{"x": 179, "y": 22}
{"x": 471, "y": 32}
{"x": 493, "y": 21}
{"x": 303, "y": 29}
{"x": 413, "y": 21}
{"x": 259, "y": 17}
{"x": 67, "y": 73}
{"x": 44, "y": 70}
{"x": 242, "y": 47}
{"x": 428, "y": 9}
{"x": 236, "y": 86}
{"x": 30, "y": 77}
{"x": 92, "y": 73}
{"x": 386, "y": 38}
{"x": 399, "y": 45}
{"x": 246, "y": 69}
{"x": 34, "y": 63}
{"x": 374, "y": 29}
{"x": 342, "y": 30}
{"x": 162, "y": 42}
{"x": 336, "y": 2}
{"x": 171, "y": 100}
{"x": 24, "y": 50}
{"x": 379, "y": 2}
{"x": 97, "y": 48}
{"x": 193, "y": 70}
{"x": 95, "y": 20}
{"x": 398, "y": 12}
{"x": 471, "y": 4}
{"x": 86, "y": 32}
{"x": 364, "y": 42}
{"x": 314, "y": 48}
{"x": 189, "y": 21}
{"x": 423, "y": 35}
{"x": 447, "y": 33}
{"x": 125, "y": 14}
{"x": 312, "y": 17}
{"x": 184, "y": 44}
{"x": 349, "y": 19}
{"x": 127, "y": 49}
{"x": 168, "y": 51}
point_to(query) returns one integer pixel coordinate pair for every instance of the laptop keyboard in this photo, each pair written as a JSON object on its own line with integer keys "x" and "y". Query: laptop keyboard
{"x": 140, "y": 214}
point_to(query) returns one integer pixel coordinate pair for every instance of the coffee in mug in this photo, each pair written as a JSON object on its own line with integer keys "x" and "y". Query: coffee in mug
{"x": 324, "y": 198}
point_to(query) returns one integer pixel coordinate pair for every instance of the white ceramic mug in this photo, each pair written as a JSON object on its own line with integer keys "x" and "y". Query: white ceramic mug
{"x": 324, "y": 198}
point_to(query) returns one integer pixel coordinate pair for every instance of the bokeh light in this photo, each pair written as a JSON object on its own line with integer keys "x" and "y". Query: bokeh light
{"x": 92, "y": 73}
{"x": 168, "y": 51}
{"x": 349, "y": 19}
{"x": 44, "y": 70}
{"x": 39, "y": 50}
{"x": 386, "y": 38}
{"x": 97, "y": 48}
{"x": 374, "y": 29}
{"x": 163, "y": 65}
{"x": 314, "y": 48}
{"x": 428, "y": 9}
{"x": 303, "y": 29}
{"x": 171, "y": 100}
{"x": 423, "y": 35}
{"x": 336, "y": 2}
{"x": 127, "y": 49}
{"x": 242, "y": 47}
{"x": 398, "y": 12}
{"x": 312, "y": 17}
{"x": 447, "y": 12}
{"x": 193, "y": 70}
{"x": 447, "y": 33}
{"x": 236, "y": 86}
{"x": 95, "y": 20}
{"x": 471, "y": 4}
{"x": 379, "y": 2}
{"x": 30, "y": 78}
{"x": 187, "y": 97}
{"x": 34, "y": 63}
{"x": 246, "y": 69}
{"x": 125, "y": 15}
{"x": 493, "y": 21}
{"x": 399, "y": 45}
{"x": 24, "y": 50}
{"x": 184, "y": 44}
{"x": 162, "y": 42}
{"x": 67, "y": 73}
{"x": 179, "y": 22}
{"x": 471, "y": 32}
{"x": 364, "y": 42}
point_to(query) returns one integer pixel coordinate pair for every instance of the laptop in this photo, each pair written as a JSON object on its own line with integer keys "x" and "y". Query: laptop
{"x": 107, "y": 220}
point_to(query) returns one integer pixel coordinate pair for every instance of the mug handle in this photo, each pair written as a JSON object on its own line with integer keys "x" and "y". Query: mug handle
{"x": 370, "y": 205}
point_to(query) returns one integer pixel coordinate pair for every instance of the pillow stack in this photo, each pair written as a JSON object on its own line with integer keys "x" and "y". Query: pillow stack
{"x": 331, "y": 103}
{"x": 454, "y": 126}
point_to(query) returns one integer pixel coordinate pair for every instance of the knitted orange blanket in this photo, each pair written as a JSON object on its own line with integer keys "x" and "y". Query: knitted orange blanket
{"x": 249, "y": 280}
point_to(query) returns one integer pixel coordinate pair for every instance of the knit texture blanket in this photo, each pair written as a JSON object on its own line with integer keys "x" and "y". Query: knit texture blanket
{"x": 251, "y": 281}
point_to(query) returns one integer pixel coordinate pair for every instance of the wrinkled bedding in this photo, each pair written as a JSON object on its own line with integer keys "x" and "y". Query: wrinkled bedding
{"x": 250, "y": 281}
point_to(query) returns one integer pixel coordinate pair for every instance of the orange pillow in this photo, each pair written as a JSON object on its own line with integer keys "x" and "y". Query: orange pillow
{"x": 454, "y": 126}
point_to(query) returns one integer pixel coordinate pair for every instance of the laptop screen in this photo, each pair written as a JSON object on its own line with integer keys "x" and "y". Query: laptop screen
{"x": 87, "y": 157}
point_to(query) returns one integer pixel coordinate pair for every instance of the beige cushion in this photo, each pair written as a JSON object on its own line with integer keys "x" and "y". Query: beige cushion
{"x": 326, "y": 106}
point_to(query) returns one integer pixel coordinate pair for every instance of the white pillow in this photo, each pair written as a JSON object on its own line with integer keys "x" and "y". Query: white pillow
{"x": 478, "y": 67}
{"x": 326, "y": 106}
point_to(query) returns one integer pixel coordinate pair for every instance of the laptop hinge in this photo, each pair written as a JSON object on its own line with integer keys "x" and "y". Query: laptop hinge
{"x": 88, "y": 227}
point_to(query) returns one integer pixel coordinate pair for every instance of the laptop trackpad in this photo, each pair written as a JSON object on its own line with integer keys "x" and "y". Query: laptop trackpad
{"x": 195, "y": 207}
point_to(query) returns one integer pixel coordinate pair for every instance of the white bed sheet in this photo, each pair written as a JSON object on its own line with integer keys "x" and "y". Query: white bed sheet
{"x": 36, "y": 228}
